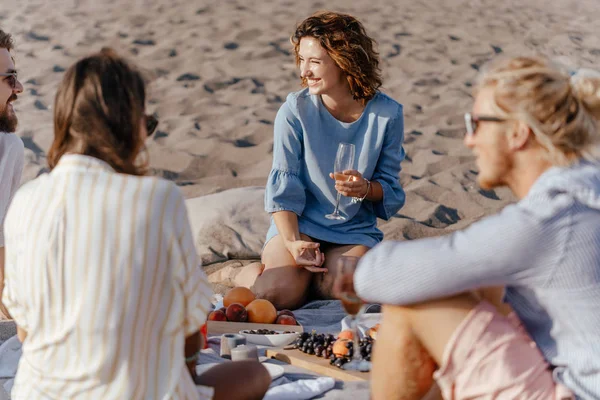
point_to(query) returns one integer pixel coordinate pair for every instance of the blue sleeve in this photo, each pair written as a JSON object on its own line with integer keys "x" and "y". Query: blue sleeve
{"x": 510, "y": 248}
{"x": 284, "y": 189}
{"x": 387, "y": 170}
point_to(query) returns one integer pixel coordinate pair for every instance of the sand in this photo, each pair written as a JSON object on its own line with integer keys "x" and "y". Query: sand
{"x": 220, "y": 70}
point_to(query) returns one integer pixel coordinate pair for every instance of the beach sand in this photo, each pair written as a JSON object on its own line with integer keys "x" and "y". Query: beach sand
{"x": 220, "y": 70}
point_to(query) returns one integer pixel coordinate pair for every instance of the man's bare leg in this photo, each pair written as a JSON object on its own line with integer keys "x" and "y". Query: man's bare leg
{"x": 410, "y": 342}
{"x": 402, "y": 368}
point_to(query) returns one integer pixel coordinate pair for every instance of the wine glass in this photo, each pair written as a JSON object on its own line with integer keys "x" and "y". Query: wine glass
{"x": 344, "y": 159}
{"x": 353, "y": 305}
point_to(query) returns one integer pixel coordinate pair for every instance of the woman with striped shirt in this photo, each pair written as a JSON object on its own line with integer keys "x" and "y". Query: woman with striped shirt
{"x": 102, "y": 277}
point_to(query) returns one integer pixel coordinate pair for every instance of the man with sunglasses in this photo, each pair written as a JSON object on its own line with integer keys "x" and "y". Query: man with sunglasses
{"x": 508, "y": 307}
{"x": 11, "y": 146}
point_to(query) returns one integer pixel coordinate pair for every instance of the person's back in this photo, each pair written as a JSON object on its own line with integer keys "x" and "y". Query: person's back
{"x": 102, "y": 264}
{"x": 534, "y": 129}
{"x": 102, "y": 276}
{"x": 557, "y": 295}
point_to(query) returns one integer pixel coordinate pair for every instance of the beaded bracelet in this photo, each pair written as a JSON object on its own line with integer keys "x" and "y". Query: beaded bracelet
{"x": 360, "y": 199}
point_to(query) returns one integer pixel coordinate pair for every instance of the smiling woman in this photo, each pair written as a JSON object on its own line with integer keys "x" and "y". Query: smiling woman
{"x": 340, "y": 102}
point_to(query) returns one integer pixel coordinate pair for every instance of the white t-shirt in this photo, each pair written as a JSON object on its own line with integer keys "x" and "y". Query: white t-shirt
{"x": 11, "y": 167}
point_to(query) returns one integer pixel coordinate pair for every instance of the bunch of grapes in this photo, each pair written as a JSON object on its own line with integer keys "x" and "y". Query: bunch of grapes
{"x": 321, "y": 345}
{"x": 318, "y": 344}
{"x": 366, "y": 347}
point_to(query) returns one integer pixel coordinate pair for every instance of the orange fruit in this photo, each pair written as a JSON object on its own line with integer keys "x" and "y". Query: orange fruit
{"x": 339, "y": 347}
{"x": 347, "y": 334}
{"x": 261, "y": 311}
{"x": 241, "y": 295}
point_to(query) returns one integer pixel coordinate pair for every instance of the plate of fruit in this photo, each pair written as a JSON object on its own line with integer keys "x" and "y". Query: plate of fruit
{"x": 240, "y": 305}
{"x": 267, "y": 337}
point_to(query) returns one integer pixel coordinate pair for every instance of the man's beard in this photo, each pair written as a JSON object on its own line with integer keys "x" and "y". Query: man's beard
{"x": 8, "y": 119}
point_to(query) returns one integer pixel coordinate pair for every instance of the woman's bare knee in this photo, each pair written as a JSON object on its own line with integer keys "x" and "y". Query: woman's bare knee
{"x": 284, "y": 293}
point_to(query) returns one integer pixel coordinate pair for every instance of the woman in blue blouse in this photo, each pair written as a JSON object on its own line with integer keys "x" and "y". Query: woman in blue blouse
{"x": 340, "y": 103}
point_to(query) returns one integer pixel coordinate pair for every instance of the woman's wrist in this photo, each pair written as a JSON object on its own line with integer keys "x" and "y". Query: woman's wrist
{"x": 367, "y": 190}
{"x": 367, "y": 193}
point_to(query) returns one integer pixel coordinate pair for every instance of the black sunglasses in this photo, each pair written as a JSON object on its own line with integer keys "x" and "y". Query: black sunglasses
{"x": 151, "y": 124}
{"x": 11, "y": 79}
{"x": 471, "y": 122}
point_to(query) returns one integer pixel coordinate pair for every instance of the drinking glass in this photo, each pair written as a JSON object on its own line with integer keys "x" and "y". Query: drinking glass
{"x": 353, "y": 306}
{"x": 344, "y": 159}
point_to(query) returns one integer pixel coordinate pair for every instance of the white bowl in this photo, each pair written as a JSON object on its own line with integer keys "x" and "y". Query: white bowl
{"x": 278, "y": 340}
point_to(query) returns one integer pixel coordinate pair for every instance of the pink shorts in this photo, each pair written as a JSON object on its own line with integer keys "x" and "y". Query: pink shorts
{"x": 491, "y": 357}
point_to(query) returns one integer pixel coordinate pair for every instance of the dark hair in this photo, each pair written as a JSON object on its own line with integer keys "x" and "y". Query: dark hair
{"x": 347, "y": 43}
{"x": 6, "y": 41}
{"x": 98, "y": 112}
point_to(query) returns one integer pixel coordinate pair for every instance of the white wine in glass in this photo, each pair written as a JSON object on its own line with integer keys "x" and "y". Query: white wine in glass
{"x": 344, "y": 159}
{"x": 353, "y": 305}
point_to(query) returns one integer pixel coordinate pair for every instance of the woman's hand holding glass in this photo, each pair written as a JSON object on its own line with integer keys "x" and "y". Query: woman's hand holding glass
{"x": 351, "y": 183}
{"x": 307, "y": 255}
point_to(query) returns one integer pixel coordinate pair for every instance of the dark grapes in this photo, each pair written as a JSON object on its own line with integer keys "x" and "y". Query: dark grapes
{"x": 321, "y": 345}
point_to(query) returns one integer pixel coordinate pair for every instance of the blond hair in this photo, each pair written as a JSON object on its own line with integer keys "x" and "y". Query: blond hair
{"x": 562, "y": 111}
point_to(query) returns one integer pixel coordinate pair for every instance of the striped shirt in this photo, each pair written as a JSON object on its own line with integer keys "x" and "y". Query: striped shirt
{"x": 545, "y": 250}
{"x": 102, "y": 273}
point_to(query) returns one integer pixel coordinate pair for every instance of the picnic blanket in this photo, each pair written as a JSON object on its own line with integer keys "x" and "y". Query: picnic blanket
{"x": 322, "y": 316}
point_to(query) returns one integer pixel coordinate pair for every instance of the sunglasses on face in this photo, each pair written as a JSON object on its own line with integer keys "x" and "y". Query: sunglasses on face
{"x": 471, "y": 122}
{"x": 151, "y": 124}
{"x": 11, "y": 79}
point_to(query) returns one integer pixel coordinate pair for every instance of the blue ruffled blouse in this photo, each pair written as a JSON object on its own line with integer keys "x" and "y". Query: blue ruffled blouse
{"x": 306, "y": 138}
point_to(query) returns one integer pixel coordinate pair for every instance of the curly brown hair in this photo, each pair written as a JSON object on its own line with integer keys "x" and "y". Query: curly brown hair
{"x": 98, "y": 110}
{"x": 347, "y": 43}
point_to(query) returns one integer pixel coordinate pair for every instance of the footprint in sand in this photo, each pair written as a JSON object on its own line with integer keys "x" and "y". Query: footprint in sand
{"x": 160, "y": 135}
{"x": 144, "y": 42}
{"x": 450, "y": 133}
{"x": 442, "y": 217}
{"x": 396, "y": 51}
{"x": 245, "y": 142}
{"x": 188, "y": 77}
{"x": 40, "y": 106}
{"x": 31, "y": 145}
{"x": 490, "y": 194}
{"x": 278, "y": 48}
{"x": 211, "y": 87}
{"x": 34, "y": 36}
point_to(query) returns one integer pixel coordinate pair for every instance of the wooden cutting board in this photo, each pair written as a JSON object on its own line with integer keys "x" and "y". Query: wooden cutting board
{"x": 316, "y": 364}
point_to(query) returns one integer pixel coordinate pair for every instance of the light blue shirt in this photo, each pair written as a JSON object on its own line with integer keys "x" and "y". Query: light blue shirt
{"x": 306, "y": 139}
{"x": 545, "y": 250}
